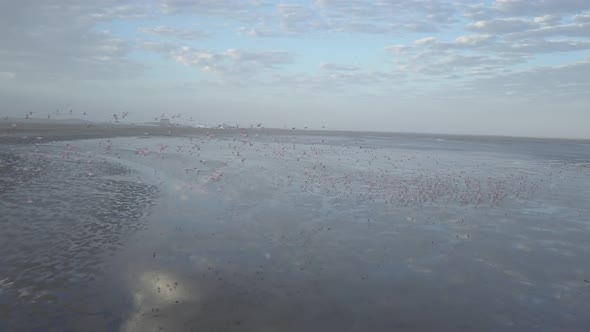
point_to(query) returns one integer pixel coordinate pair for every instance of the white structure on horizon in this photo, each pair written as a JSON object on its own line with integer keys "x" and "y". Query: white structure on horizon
{"x": 164, "y": 122}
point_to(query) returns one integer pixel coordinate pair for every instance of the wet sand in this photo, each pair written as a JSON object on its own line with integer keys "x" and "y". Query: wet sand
{"x": 25, "y": 131}
{"x": 34, "y": 131}
{"x": 270, "y": 230}
{"x": 37, "y": 132}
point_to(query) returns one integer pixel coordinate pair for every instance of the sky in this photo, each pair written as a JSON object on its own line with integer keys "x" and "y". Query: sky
{"x": 504, "y": 67}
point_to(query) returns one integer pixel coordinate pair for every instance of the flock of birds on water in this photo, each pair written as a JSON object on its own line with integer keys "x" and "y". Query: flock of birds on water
{"x": 348, "y": 170}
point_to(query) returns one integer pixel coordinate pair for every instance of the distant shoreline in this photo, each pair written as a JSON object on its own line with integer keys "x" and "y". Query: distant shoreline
{"x": 25, "y": 131}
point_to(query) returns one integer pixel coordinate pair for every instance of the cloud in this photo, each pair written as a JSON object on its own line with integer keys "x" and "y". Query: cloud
{"x": 5, "y": 75}
{"x": 563, "y": 30}
{"x": 269, "y": 19}
{"x": 534, "y": 20}
{"x": 238, "y": 10}
{"x": 472, "y": 57}
{"x": 387, "y": 16}
{"x": 495, "y": 39}
{"x": 581, "y": 18}
{"x": 548, "y": 19}
{"x": 158, "y": 47}
{"x": 465, "y": 56}
{"x": 339, "y": 81}
{"x": 334, "y": 67}
{"x": 398, "y": 49}
{"x": 335, "y": 16}
{"x": 340, "y": 76}
{"x": 196, "y": 58}
{"x": 59, "y": 39}
{"x": 192, "y": 33}
{"x": 296, "y": 19}
{"x": 501, "y": 26}
{"x": 260, "y": 58}
{"x": 264, "y": 69}
{"x": 452, "y": 67}
{"x": 231, "y": 64}
{"x": 526, "y": 7}
{"x": 263, "y": 32}
{"x": 424, "y": 41}
{"x": 547, "y": 46}
{"x": 435, "y": 11}
{"x": 472, "y": 41}
{"x": 505, "y": 34}
{"x": 513, "y": 8}
{"x": 547, "y": 82}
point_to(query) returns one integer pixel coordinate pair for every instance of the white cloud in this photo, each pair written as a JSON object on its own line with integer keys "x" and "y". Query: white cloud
{"x": 263, "y": 32}
{"x": 548, "y": 20}
{"x": 296, "y": 19}
{"x": 512, "y": 8}
{"x": 193, "y": 57}
{"x": 564, "y": 30}
{"x": 238, "y": 10}
{"x": 333, "y": 67}
{"x": 59, "y": 39}
{"x": 397, "y": 49}
{"x": 158, "y": 47}
{"x": 506, "y": 33}
{"x": 472, "y": 40}
{"x": 339, "y": 79}
{"x": 5, "y": 75}
{"x": 526, "y": 7}
{"x": 231, "y": 64}
{"x": 263, "y": 58}
{"x": 501, "y": 26}
{"x": 425, "y": 41}
{"x": 547, "y": 46}
{"x": 192, "y": 33}
{"x": 546, "y": 82}
{"x": 352, "y": 16}
{"x": 582, "y": 18}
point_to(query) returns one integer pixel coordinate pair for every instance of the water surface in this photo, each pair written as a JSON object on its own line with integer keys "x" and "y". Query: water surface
{"x": 253, "y": 232}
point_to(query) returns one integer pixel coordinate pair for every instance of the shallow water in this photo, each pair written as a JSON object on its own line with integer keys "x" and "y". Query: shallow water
{"x": 304, "y": 233}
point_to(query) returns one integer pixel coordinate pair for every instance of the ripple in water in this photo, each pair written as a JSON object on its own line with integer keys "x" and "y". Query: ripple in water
{"x": 59, "y": 218}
